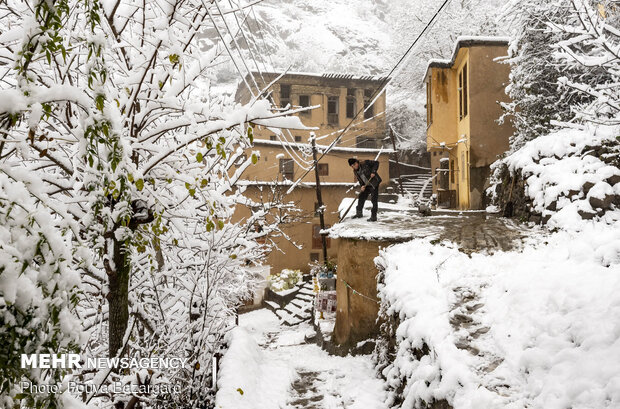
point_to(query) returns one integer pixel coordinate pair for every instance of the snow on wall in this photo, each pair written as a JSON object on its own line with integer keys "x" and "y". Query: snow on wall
{"x": 547, "y": 323}
{"x": 566, "y": 178}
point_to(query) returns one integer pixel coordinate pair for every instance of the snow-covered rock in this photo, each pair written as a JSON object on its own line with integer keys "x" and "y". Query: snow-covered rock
{"x": 566, "y": 176}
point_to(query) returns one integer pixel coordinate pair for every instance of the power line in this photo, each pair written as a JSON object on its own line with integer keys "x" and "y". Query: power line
{"x": 379, "y": 90}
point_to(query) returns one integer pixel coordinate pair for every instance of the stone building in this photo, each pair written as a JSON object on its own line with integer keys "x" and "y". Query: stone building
{"x": 337, "y": 99}
{"x": 463, "y": 108}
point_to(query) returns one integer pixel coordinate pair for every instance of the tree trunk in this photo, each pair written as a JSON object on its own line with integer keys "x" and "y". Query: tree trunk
{"x": 118, "y": 299}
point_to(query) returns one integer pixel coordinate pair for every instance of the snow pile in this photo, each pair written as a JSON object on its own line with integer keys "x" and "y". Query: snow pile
{"x": 247, "y": 379}
{"x": 488, "y": 332}
{"x": 570, "y": 175}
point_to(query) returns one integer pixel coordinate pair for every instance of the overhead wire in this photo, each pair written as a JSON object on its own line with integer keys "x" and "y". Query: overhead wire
{"x": 379, "y": 90}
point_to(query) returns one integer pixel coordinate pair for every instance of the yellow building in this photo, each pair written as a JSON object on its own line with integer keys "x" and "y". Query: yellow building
{"x": 283, "y": 158}
{"x": 463, "y": 107}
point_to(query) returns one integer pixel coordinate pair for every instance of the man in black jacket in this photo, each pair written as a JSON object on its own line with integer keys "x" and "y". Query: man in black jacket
{"x": 366, "y": 173}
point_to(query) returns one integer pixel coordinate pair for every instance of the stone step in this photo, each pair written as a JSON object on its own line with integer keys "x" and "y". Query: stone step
{"x": 271, "y": 305}
{"x": 296, "y": 311}
{"x": 306, "y": 297}
{"x": 302, "y": 304}
{"x": 307, "y": 290}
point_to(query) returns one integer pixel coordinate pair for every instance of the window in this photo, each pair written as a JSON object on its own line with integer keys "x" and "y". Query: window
{"x": 304, "y": 101}
{"x": 463, "y": 93}
{"x": 463, "y": 166}
{"x": 429, "y": 104}
{"x": 452, "y": 171}
{"x": 297, "y": 138}
{"x": 369, "y": 111}
{"x": 287, "y": 168}
{"x": 332, "y": 110}
{"x": 351, "y": 105}
{"x": 365, "y": 142}
{"x": 272, "y": 137}
{"x": 314, "y": 257}
{"x": 323, "y": 169}
{"x": 285, "y": 95}
{"x": 317, "y": 242}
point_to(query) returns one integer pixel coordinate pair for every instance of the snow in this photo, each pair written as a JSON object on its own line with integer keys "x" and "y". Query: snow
{"x": 557, "y": 165}
{"x": 267, "y": 374}
{"x": 544, "y": 322}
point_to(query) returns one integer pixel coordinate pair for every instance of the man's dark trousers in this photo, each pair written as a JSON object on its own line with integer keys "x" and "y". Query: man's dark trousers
{"x": 374, "y": 198}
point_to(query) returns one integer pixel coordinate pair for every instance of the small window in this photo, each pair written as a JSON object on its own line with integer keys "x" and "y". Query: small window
{"x": 323, "y": 169}
{"x": 452, "y": 170}
{"x": 351, "y": 103}
{"x": 285, "y": 95}
{"x": 304, "y": 101}
{"x": 365, "y": 142}
{"x": 317, "y": 242}
{"x": 332, "y": 110}
{"x": 369, "y": 110}
{"x": 429, "y": 104}
{"x": 314, "y": 257}
{"x": 272, "y": 137}
{"x": 463, "y": 166}
{"x": 287, "y": 168}
{"x": 463, "y": 93}
{"x": 297, "y": 138}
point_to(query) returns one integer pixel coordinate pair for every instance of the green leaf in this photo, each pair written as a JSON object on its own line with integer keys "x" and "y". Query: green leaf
{"x": 140, "y": 184}
{"x": 220, "y": 224}
{"x": 254, "y": 159}
{"x": 199, "y": 157}
{"x": 240, "y": 391}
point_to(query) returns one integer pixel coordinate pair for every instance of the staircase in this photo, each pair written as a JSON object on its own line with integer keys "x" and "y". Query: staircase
{"x": 298, "y": 309}
{"x": 413, "y": 184}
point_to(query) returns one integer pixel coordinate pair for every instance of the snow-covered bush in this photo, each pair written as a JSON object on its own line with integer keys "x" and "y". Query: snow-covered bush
{"x": 109, "y": 120}
{"x": 38, "y": 294}
{"x": 286, "y": 280}
{"x": 565, "y": 66}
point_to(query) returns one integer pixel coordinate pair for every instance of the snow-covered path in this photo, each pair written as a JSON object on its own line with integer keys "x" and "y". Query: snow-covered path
{"x": 296, "y": 374}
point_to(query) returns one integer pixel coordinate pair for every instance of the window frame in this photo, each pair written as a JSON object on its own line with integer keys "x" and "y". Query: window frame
{"x": 285, "y": 97}
{"x": 429, "y": 102}
{"x": 317, "y": 242}
{"x": 333, "y": 118}
{"x": 463, "y": 92}
{"x": 351, "y": 103}
{"x": 283, "y": 164}
{"x": 367, "y": 100}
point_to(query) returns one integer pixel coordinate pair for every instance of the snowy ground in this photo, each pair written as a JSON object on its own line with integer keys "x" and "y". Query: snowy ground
{"x": 533, "y": 328}
{"x": 269, "y": 366}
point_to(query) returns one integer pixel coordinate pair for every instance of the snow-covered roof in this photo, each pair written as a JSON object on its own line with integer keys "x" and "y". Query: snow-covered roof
{"x": 327, "y": 75}
{"x": 463, "y": 42}
{"x": 322, "y": 148}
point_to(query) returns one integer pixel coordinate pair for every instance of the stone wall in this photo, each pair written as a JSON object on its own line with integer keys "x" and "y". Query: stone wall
{"x": 512, "y": 189}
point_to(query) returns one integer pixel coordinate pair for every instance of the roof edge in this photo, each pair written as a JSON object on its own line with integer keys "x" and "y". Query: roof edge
{"x": 465, "y": 42}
